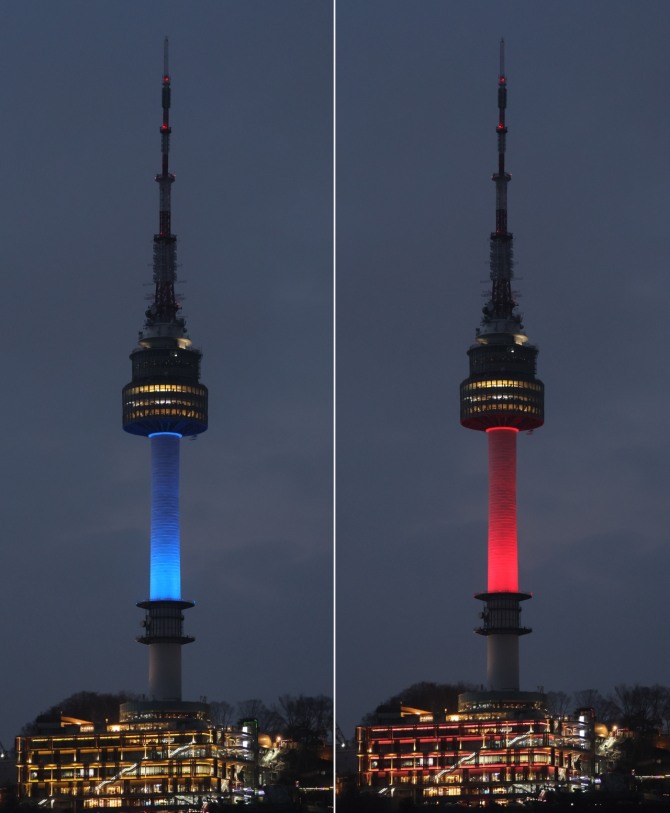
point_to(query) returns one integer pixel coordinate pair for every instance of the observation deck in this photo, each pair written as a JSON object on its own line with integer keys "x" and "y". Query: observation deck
{"x": 502, "y": 389}
{"x": 165, "y": 394}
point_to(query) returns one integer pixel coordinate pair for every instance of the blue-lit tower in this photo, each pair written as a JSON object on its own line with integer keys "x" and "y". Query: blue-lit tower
{"x": 165, "y": 401}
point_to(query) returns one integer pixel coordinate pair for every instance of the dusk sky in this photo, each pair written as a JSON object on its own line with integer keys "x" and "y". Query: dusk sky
{"x": 252, "y": 121}
{"x": 589, "y": 127}
{"x": 252, "y": 148}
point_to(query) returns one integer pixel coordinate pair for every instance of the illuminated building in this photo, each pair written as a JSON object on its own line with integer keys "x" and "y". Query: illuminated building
{"x": 493, "y": 748}
{"x": 501, "y": 742}
{"x": 163, "y": 751}
{"x": 175, "y": 762}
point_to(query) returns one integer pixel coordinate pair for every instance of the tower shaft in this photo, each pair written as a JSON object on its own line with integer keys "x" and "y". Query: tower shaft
{"x": 165, "y": 671}
{"x": 502, "y": 614}
{"x": 164, "y": 622}
{"x": 165, "y": 579}
{"x": 503, "y": 569}
{"x": 502, "y": 663}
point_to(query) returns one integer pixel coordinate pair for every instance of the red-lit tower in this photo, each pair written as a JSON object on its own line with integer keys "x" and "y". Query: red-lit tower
{"x": 502, "y": 397}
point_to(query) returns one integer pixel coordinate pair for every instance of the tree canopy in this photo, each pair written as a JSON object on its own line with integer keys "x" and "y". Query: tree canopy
{"x": 433, "y": 697}
{"x": 96, "y": 707}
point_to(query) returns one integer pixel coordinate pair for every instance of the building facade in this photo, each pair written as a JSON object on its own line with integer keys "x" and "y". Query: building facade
{"x": 170, "y": 757}
{"x": 495, "y": 747}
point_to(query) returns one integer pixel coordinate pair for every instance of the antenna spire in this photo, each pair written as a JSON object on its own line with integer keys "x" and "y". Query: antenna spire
{"x": 164, "y": 308}
{"x": 501, "y": 305}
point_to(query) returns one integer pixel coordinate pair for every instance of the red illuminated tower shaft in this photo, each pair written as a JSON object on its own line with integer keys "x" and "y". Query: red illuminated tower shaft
{"x": 502, "y": 614}
{"x": 502, "y": 397}
{"x": 503, "y": 568}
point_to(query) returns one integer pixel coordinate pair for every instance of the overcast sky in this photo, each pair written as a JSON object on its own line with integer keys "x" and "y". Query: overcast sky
{"x": 252, "y": 148}
{"x": 252, "y": 121}
{"x": 589, "y": 126}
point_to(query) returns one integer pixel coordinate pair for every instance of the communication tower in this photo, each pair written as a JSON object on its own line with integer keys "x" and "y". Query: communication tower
{"x": 165, "y": 401}
{"x": 502, "y": 397}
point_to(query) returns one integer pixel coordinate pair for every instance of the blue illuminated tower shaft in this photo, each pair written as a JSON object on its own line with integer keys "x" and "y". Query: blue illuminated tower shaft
{"x": 165, "y": 574}
{"x": 165, "y": 401}
{"x": 164, "y": 621}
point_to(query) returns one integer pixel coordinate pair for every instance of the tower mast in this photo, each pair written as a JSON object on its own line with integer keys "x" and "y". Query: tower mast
{"x": 502, "y": 397}
{"x": 501, "y": 304}
{"x": 165, "y": 307}
{"x": 165, "y": 401}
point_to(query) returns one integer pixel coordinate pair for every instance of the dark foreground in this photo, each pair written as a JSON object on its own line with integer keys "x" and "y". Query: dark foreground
{"x": 574, "y": 802}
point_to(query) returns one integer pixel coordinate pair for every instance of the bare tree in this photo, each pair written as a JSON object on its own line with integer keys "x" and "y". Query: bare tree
{"x": 308, "y": 720}
{"x": 643, "y": 708}
{"x": 221, "y": 713}
{"x": 606, "y": 708}
{"x": 559, "y": 703}
{"x": 269, "y": 721}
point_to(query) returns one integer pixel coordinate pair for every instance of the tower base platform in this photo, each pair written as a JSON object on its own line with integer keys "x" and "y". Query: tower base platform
{"x": 504, "y": 703}
{"x": 136, "y": 711}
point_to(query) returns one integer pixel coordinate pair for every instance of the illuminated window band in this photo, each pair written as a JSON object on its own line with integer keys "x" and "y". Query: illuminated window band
{"x": 496, "y": 407}
{"x": 164, "y": 388}
{"x": 165, "y": 580}
{"x": 165, "y": 400}
{"x": 503, "y": 383}
{"x": 502, "y": 395}
{"x": 173, "y": 413}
